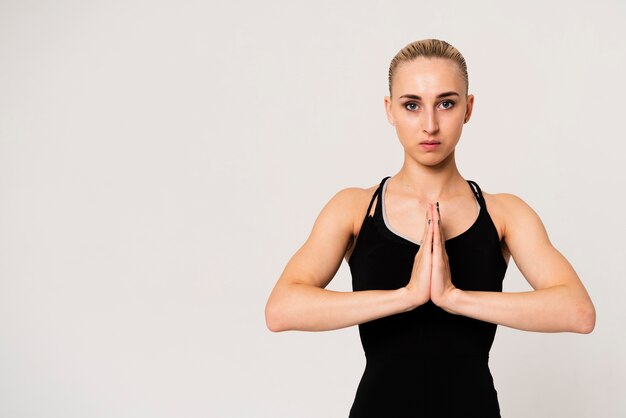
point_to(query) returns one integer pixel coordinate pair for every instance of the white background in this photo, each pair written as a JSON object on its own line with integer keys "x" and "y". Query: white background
{"x": 160, "y": 162}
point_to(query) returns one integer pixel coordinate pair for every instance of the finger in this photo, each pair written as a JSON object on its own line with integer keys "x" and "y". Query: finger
{"x": 436, "y": 233}
{"x": 426, "y": 225}
{"x": 439, "y": 231}
{"x": 428, "y": 240}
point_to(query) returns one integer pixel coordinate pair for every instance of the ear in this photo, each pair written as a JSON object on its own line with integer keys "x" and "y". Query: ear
{"x": 390, "y": 117}
{"x": 469, "y": 107}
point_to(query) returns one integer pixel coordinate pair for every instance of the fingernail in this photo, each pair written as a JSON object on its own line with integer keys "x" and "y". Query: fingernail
{"x": 429, "y": 222}
{"x": 438, "y": 221}
{"x": 438, "y": 208}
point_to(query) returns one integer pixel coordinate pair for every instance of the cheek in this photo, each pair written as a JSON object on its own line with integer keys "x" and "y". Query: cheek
{"x": 452, "y": 122}
{"x": 406, "y": 127}
{"x": 406, "y": 120}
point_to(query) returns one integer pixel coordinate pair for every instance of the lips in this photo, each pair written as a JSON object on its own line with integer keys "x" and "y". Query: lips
{"x": 430, "y": 145}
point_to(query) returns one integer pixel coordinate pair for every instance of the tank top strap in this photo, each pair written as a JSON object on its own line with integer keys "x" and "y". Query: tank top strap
{"x": 378, "y": 211}
{"x": 477, "y": 192}
{"x": 369, "y": 207}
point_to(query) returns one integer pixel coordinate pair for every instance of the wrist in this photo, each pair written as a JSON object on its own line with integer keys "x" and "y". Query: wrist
{"x": 451, "y": 301}
{"x": 407, "y": 298}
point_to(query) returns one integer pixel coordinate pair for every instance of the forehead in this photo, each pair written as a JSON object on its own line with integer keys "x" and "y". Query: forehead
{"x": 427, "y": 76}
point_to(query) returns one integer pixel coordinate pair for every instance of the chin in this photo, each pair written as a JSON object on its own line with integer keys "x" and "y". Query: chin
{"x": 432, "y": 159}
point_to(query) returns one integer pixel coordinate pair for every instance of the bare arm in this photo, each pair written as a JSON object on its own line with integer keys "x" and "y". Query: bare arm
{"x": 559, "y": 301}
{"x": 299, "y": 300}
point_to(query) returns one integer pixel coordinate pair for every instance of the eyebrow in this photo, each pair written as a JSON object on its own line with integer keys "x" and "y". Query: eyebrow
{"x": 439, "y": 96}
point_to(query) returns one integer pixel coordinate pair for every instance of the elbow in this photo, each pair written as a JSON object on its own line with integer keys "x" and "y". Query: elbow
{"x": 274, "y": 318}
{"x": 585, "y": 320}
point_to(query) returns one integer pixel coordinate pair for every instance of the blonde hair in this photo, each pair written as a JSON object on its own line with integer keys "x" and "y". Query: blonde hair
{"x": 429, "y": 48}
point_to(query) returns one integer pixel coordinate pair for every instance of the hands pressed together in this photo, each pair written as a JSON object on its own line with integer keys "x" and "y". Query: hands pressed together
{"x": 430, "y": 277}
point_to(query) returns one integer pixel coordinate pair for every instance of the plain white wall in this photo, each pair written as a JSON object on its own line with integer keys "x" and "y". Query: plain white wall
{"x": 160, "y": 162}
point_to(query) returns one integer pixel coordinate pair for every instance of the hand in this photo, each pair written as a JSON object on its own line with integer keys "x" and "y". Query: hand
{"x": 420, "y": 282}
{"x": 441, "y": 286}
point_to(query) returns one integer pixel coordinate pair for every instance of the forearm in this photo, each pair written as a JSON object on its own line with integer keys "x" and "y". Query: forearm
{"x": 309, "y": 308}
{"x": 554, "y": 309}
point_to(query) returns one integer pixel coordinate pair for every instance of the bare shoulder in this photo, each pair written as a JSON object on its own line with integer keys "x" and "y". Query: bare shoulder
{"x": 330, "y": 239}
{"x": 510, "y": 213}
{"x": 352, "y": 202}
{"x": 344, "y": 212}
{"x": 505, "y": 202}
{"x": 348, "y": 196}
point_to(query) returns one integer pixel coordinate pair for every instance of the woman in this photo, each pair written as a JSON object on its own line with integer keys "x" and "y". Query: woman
{"x": 428, "y": 250}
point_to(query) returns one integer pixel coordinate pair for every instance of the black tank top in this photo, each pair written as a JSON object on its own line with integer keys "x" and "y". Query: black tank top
{"x": 426, "y": 362}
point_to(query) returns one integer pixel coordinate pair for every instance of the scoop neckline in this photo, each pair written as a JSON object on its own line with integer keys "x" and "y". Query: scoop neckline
{"x": 402, "y": 237}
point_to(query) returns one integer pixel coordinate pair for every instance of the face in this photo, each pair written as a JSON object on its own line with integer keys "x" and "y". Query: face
{"x": 428, "y": 107}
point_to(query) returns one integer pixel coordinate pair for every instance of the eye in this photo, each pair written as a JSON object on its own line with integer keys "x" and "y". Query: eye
{"x": 410, "y": 106}
{"x": 448, "y": 101}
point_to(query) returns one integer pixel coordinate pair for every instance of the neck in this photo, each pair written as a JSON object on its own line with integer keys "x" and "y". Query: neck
{"x": 430, "y": 183}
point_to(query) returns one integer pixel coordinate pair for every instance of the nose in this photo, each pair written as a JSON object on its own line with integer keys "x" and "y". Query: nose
{"x": 431, "y": 125}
